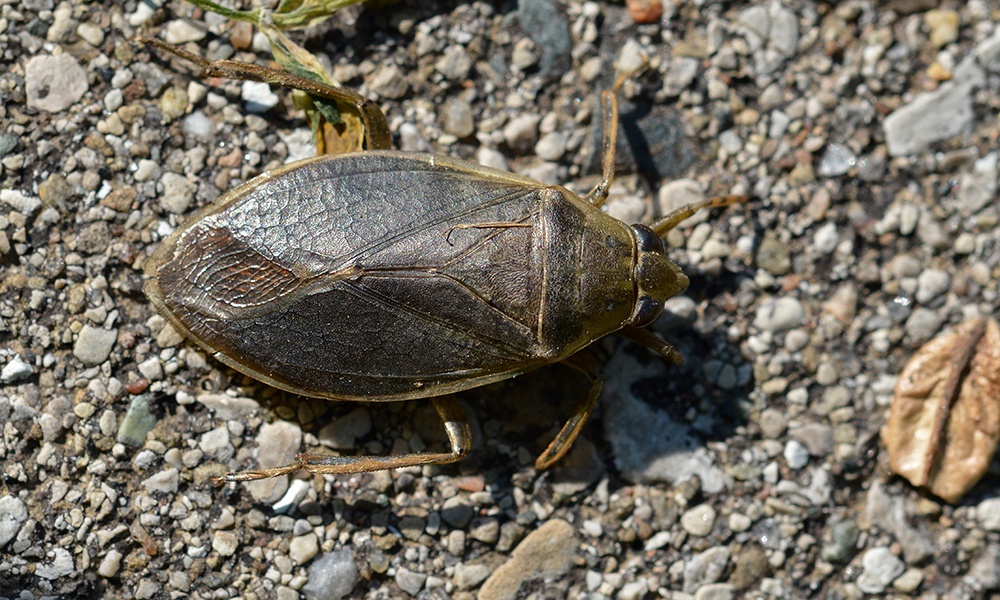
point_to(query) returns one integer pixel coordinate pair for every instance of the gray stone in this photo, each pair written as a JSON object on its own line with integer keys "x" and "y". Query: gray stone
{"x": 164, "y": 482}
{"x": 343, "y": 433}
{"x": 774, "y": 256}
{"x": 705, "y": 567}
{"x": 456, "y": 512}
{"x": 826, "y": 239}
{"x": 521, "y": 132}
{"x": 277, "y": 444}
{"x": 890, "y": 514}
{"x": 985, "y": 569}
{"x": 227, "y": 407}
{"x": 485, "y": 529}
{"x": 836, "y": 160}
{"x": 182, "y": 31}
{"x": 458, "y": 119}
{"x": 545, "y": 23}
{"x": 922, "y": 324}
{"x": 843, "y": 542}
{"x": 389, "y": 82}
{"x": 772, "y": 423}
{"x": 257, "y": 96}
{"x": 24, "y": 204}
{"x": 681, "y": 72}
{"x": 93, "y": 345}
{"x": 455, "y": 64}
{"x": 796, "y": 455}
{"x": 16, "y": 370}
{"x": 409, "y": 581}
{"x": 549, "y": 552}
{"x": 633, "y": 590}
{"x": 816, "y": 437}
{"x": 332, "y": 576}
{"x": 988, "y": 512}
{"x": 303, "y": 548}
{"x": 772, "y": 33}
{"x": 468, "y": 576}
{"x": 216, "y": 445}
{"x": 751, "y": 565}
{"x": 139, "y": 420}
{"x": 178, "y": 193}
{"x": 54, "y": 83}
{"x": 937, "y": 115}
{"x": 931, "y": 283}
{"x": 225, "y": 543}
{"x": 110, "y": 564}
{"x": 94, "y": 238}
{"x": 880, "y": 568}
{"x": 978, "y": 189}
{"x": 716, "y": 591}
{"x": 779, "y": 314}
{"x": 13, "y": 514}
{"x": 61, "y": 565}
{"x": 699, "y": 520}
{"x": 552, "y": 146}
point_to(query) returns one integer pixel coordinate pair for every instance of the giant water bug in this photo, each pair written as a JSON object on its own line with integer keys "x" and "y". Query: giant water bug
{"x": 383, "y": 276}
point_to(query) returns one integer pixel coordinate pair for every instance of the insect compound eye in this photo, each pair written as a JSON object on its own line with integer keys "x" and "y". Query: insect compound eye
{"x": 647, "y": 310}
{"x": 647, "y": 240}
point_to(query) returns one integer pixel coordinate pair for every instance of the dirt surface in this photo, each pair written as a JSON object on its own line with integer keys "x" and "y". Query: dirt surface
{"x": 866, "y": 133}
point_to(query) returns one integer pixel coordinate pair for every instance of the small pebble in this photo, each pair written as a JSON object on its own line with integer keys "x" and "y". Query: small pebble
{"x": 13, "y": 514}
{"x": 178, "y": 193}
{"x": 409, "y": 581}
{"x": 93, "y": 345}
{"x": 332, "y": 576}
{"x": 16, "y": 370}
{"x": 389, "y": 82}
{"x": 779, "y": 314}
{"x": 705, "y": 567}
{"x": 699, "y": 520}
{"x": 469, "y": 576}
{"x": 110, "y": 564}
{"x": 455, "y": 64}
{"x": 165, "y": 482}
{"x": 303, "y": 548}
{"x": 521, "y": 132}
{"x": 796, "y": 455}
{"x": 54, "y": 83}
{"x": 225, "y": 543}
{"x": 880, "y": 567}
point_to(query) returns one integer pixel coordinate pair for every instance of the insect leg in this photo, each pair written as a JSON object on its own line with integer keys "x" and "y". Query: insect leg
{"x": 586, "y": 363}
{"x": 455, "y": 425}
{"x": 376, "y": 129}
{"x": 683, "y": 213}
{"x": 609, "y": 104}
{"x": 653, "y": 342}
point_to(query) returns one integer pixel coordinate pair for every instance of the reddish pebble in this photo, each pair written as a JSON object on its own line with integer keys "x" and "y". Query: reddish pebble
{"x": 645, "y": 11}
{"x": 241, "y": 35}
{"x": 470, "y": 483}
{"x": 137, "y": 387}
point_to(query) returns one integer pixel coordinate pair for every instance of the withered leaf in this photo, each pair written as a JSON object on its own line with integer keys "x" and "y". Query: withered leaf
{"x": 944, "y": 424}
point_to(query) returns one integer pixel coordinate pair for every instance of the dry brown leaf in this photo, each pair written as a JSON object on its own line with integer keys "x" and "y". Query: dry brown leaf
{"x": 945, "y": 419}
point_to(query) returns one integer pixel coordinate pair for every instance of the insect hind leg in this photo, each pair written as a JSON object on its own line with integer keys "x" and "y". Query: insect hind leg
{"x": 456, "y": 426}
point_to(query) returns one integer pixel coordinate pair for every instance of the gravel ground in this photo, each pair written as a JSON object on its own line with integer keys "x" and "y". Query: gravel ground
{"x": 867, "y": 132}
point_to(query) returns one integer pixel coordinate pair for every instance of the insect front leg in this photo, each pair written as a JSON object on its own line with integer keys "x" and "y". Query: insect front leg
{"x": 684, "y": 213}
{"x": 377, "y": 135}
{"x": 586, "y": 363}
{"x": 456, "y": 426}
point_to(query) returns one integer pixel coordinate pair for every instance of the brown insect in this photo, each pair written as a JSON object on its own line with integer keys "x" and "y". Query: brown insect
{"x": 384, "y": 276}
